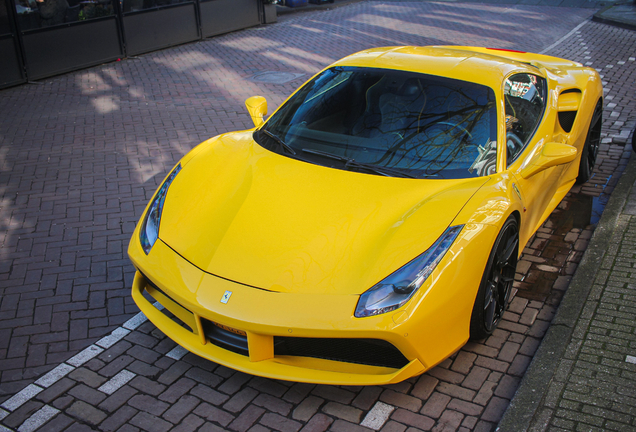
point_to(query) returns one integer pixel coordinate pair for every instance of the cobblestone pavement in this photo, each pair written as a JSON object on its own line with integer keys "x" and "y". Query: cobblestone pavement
{"x": 82, "y": 153}
{"x": 594, "y": 387}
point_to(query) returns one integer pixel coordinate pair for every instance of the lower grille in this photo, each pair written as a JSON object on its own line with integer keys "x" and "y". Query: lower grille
{"x": 372, "y": 352}
{"x": 225, "y": 339}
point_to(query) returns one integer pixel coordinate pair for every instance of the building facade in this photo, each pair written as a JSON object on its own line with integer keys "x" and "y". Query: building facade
{"x": 41, "y": 38}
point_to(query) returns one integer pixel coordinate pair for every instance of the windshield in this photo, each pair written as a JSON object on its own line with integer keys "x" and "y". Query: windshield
{"x": 388, "y": 122}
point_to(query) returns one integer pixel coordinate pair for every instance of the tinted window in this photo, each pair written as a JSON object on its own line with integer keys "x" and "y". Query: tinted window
{"x": 419, "y": 125}
{"x": 525, "y": 96}
{"x": 137, "y": 5}
{"x": 34, "y": 14}
{"x": 4, "y": 20}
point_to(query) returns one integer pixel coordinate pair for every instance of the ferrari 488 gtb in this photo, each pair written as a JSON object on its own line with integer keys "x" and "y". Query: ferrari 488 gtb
{"x": 372, "y": 225}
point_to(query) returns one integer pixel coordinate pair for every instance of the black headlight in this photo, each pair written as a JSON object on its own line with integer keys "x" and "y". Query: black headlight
{"x": 149, "y": 232}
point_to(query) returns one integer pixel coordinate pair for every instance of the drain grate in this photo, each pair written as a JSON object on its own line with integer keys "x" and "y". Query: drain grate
{"x": 274, "y": 77}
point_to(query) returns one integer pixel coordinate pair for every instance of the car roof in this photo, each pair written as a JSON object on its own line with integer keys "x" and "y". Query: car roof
{"x": 462, "y": 63}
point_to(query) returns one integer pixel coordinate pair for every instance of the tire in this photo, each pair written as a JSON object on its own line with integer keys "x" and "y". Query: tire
{"x": 496, "y": 283}
{"x": 590, "y": 148}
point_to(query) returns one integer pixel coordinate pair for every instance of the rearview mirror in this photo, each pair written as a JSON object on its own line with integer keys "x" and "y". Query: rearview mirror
{"x": 257, "y": 107}
{"x": 552, "y": 154}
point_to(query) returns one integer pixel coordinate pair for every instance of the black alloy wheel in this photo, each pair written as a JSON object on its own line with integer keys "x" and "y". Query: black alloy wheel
{"x": 591, "y": 146}
{"x": 496, "y": 284}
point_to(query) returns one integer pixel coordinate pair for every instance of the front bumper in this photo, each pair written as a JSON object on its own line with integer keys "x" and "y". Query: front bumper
{"x": 193, "y": 299}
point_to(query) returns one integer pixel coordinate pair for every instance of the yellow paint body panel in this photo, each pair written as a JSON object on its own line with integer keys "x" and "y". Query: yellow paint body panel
{"x": 297, "y": 243}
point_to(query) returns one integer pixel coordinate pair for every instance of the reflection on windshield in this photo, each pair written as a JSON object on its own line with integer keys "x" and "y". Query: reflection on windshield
{"x": 422, "y": 125}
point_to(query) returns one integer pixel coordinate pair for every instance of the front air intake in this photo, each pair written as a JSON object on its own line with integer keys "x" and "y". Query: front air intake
{"x": 372, "y": 352}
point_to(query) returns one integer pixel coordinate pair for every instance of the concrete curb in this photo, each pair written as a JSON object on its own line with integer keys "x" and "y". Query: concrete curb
{"x": 606, "y": 16}
{"x": 527, "y": 402}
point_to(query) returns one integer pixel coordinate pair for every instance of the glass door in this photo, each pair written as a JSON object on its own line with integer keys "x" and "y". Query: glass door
{"x": 223, "y": 16}
{"x": 11, "y": 71}
{"x": 154, "y": 24}
{"x": 63, "y": 35}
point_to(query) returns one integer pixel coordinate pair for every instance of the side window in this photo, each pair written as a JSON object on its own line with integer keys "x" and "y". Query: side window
{"x": 525, "y": 96}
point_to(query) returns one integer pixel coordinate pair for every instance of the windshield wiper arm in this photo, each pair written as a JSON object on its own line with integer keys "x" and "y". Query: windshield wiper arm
{"x": 280, "y": 142}
{"x": 352, "y": 163}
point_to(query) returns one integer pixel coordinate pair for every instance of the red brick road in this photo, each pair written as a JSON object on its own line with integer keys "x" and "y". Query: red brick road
{"x": 81, "y": 154}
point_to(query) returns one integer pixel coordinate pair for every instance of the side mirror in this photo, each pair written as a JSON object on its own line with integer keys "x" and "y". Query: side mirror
{"x": 257, "y": 107}
{"x": 552, "y": 154}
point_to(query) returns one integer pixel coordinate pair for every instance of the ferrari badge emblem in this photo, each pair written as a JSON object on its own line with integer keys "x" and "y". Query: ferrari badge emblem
{"x": 226, "y": 297}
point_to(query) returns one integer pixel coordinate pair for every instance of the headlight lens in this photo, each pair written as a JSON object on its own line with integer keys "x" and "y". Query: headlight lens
{"x": 149, "y": 232}
{"x": 396, "y": 289}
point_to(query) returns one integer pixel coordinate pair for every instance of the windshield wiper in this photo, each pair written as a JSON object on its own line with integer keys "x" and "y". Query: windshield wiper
{"x": 280, "y": 142}
{"x": 352, "y": 163}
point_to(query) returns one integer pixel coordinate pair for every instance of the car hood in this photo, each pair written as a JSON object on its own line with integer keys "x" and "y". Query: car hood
{"x": 244, "y": 213}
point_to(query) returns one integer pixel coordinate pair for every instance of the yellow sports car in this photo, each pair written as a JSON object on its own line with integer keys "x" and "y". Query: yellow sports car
{"x": 372, "y": 225}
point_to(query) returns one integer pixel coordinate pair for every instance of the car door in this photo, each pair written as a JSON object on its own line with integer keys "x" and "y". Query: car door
{"x": 525, "y": 98}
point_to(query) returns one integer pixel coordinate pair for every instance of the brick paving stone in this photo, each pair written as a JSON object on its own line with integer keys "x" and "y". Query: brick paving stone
{"x": 463, "y": 362}
{"x": 273, "y": 404}
{"x": 148, "y": 404}
{"x": 181, "y": 408}
{"x": 212, "y": 413}
{"x": 59, "y": 423}
{"x": 268, "y": 386}
{"x": 446, "y": 375}
{"x": 87, "y": 377}
{"x": 177, "y": 390}
{"x": 485, "y": 393}
{"x": 508, "y": 351}
{"x": 507, "y": 387}
{"x": 246, "y": 418}
{"x": 189, "y": 424}
{"x": 56, "y": 390}
{"x": 203, "y": 377}
{"x": 334, "y": 393}
{"x": 435, "y": 405}
{"x": 235, "y": 383}
{"x": 307, "y": 408}
{"x": 87, "y": 394}
{"x": 401, "y": 400}
{"x": 392, "y": 426}
{"x": 344, "y": 426}
{"x": 280, "y": 423}
{"x": 117, "y": 399}
{"x": 464, "y": 407}
{"x": 208, "y": 427}
{"x": 147, "y": 386}
{"x": 86, "y": 413}
{"x": 494, "y": 410}
{"x": 424, "y": 387}
{"x": 318, "y": 423}
{"x": 297, "y": 392}
{"x": 449, "y": 421}
{"x": 345, "y": 412}
{"x": 412, "y": 419}
{"x": 240, "y": 400}
{"x": 369, "y": 395}
{"x": 476, "y": 378}
{"x": 150, "y": 423}
{"x": 117, "y": 419}
{"x": 173, "y": 373}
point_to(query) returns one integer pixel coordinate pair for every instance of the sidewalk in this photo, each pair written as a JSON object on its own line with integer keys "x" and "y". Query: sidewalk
{"x": 583, "y": 376}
